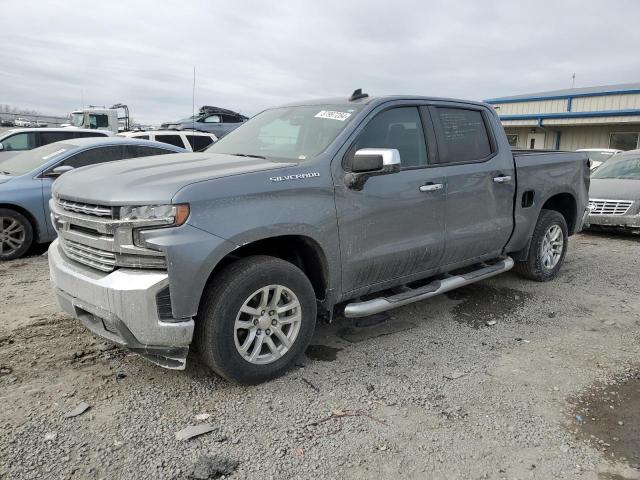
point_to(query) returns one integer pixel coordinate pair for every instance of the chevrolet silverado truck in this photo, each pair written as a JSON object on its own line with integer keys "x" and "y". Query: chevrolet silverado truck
{"x": 344, "y": 206}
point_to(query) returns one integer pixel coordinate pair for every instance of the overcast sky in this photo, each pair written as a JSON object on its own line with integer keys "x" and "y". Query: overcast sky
{"x": 250, "y": 55}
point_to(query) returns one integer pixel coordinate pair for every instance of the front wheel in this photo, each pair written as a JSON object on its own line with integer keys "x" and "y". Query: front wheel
{"x": 256, "y": 317}
{"x": 16, "y": 234}
{"x": 548, "y": 248}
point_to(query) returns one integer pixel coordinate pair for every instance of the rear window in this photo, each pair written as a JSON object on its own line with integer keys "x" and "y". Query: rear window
{"x": 199, "y": 142}
{"x": 171, "y": 140}
{"x": 462, "y": 135}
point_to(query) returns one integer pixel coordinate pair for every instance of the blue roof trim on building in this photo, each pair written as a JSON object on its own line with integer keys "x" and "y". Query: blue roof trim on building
{"x": 542, "y": 116}
{"x": 561, "y": 97}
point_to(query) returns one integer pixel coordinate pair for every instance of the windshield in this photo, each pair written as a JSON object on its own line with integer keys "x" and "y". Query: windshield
{"x": 31, "y": 159}
{"x": 76, "y": 119}
{"x": 620, "y": 166}
{"x": 292, "y": 133}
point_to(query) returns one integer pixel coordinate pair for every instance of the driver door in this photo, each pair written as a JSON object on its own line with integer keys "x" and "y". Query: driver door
{"x": 393, "y": 228}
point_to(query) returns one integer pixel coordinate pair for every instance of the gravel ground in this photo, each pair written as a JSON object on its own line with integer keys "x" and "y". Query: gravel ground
{"x": 549, "y": 391}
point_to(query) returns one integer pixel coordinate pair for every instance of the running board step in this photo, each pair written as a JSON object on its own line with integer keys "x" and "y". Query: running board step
{"x": 377, "y": 305}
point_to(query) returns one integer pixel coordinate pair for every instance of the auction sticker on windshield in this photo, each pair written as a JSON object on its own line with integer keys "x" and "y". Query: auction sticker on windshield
{"x": 340, "y": 116}
{"x": 51, "y": 155}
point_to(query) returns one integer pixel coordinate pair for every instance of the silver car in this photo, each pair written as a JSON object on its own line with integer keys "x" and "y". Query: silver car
{"x": 614, "y": 195}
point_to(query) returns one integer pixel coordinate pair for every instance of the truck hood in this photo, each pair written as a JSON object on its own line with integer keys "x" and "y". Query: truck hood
{"x": 152, "y": 180}
{"x": 614, "y": 189}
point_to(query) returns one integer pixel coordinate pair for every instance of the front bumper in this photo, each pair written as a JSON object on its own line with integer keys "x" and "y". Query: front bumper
{"x": 121, "y": 306}
{"x": 614, "y": 221}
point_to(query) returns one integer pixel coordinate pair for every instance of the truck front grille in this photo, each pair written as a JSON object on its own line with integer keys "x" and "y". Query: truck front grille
{"x": 609, "y": 207}
{"x": 85, "y": 208}
{"x": 92, "y": 235}
{"x": 93, "y": 257}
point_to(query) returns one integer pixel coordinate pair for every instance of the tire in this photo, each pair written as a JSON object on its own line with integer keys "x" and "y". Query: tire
{"x": 220, "y": 334}
{"x": 537, "y": 266}
{"x": 16, "y": 234}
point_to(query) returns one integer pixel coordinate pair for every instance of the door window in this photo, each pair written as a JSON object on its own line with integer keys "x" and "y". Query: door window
{"x": 462, "y": 135}
{"x": 87, "y": 134}
{"x": 20, "y": 141}
{"x": 171, "y": 140}
{"x": 199, "y": 142}
{"x": 98, "y": 120}
{"x": 624, "y": 141}
{"x": 95, "y": 155}
{"x": 398, "y": 128}
{"x": 49, "y": 137}
{"x": 135, "y": 151}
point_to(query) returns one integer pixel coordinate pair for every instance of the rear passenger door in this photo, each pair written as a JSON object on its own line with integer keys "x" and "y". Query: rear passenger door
{"x": 480, "y": 182}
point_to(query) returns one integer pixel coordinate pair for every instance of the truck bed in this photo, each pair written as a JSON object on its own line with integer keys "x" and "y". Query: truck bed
{"x": 544, "y": 176}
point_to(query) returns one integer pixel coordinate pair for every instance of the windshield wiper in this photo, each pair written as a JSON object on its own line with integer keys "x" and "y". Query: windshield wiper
{"x": 5, "y": 173}
{"x": 248, "y": 155}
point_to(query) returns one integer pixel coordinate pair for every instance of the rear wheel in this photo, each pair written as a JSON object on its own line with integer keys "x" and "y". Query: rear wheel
{"x": 16, "y": 234}
{"x": 548, "y": 248}
{"x": 256, "y": 317}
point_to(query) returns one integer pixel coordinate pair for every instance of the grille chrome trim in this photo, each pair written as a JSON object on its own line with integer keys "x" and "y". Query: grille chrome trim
{"x": 93, "y": 257}
{"x": 85, "y": 208}
{"x": 609, "y": 207}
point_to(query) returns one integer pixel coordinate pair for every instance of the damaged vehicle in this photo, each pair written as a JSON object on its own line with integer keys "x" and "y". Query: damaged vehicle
{"x": 216, "y": 120}
{"x": 346, "y": 206}
{"x": 614, "y": 196}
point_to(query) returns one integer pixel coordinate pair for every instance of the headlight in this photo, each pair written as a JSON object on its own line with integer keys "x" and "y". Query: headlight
{"x": 173, "y": 215}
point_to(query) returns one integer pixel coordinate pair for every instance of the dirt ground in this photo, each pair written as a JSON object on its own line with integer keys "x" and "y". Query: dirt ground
{"x": 551, "y": 390}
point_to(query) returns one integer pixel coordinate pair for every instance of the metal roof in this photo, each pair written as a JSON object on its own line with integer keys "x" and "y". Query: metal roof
{"x": 624, "y": 88}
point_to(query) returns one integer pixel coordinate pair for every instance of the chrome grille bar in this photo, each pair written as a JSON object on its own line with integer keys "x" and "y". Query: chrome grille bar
{"x": 609, "y": 207}
{"x": 85, "y": 208}
{"x": 94, "y": 257}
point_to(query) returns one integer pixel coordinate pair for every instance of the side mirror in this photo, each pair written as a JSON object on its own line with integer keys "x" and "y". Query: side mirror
{"x": 370, "y": 162}
{"x": 1, "y": 146}
{"x": 56, "y": 172}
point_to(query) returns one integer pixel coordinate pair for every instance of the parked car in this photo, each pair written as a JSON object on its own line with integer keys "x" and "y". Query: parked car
{"x": 7, "y": 123}
{"x": 22, "y": 122}
{"x": 218, "y": 121}
{"x": 187, "y": 139}
{"x": 15, "y": 141}
{"x": 26, "y": 179}
{"x": 357, "y": 205}
{"x": 598, "y": 156}
{"x": 614, "y": 196}
{"x": 40, "y": 124}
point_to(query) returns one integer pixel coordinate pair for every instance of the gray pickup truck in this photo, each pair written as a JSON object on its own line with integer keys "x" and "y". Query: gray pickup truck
{"x": 343, "y": 206}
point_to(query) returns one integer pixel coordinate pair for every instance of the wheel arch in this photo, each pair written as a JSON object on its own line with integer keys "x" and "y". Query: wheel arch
{"x": 28, "y": 215}
{"x": 565, "y": 204}
{"x": 301, "y": 250}
{"x": 562, "y": 202}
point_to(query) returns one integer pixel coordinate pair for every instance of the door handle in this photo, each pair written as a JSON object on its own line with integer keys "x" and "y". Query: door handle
{"x": 431, "y": 187}
{"x": 502, "y": 179}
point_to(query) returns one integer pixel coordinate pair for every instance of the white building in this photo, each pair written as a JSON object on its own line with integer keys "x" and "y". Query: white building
{"x": 591, "y": 117}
